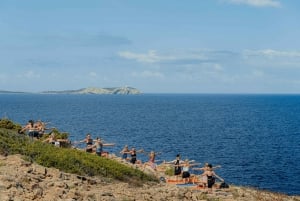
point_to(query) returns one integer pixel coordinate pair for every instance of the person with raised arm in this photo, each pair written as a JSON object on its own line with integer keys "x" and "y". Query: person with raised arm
{"x": 133, "y": 158}
{"x": 30, "y": 128}
{"x": 99, "y": 147}
{"x": 211, "y": 175}
{"x": 125, "y": 151}
{"x": 186, "y": 170}
{"x": 151, "y": 162}
{"x": 206, "y": 166}
{"x": 89, "y": 143}
{"x": 177, "y": 165}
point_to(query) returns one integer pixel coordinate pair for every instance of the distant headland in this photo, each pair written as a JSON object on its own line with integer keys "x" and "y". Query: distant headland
{"x": 90, "y": 90}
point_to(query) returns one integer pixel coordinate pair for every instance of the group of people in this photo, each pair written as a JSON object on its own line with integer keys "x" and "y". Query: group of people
{"x": 206, "y": 179}
{"x": 181, "y": 168}
{"x": 35, "y": 129}
{"x": 95, "y": 146}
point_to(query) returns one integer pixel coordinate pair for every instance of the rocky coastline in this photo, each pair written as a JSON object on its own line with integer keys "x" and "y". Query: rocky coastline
{"x": 21, "y": 180}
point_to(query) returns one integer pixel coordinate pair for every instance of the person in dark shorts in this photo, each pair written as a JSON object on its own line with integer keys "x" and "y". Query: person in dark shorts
{"x": 89, "y": 143}
{"x": 178, "y": 168}
{"x": 133, "y": 158}
{"x": 211, "y": 175}
{"x": 177, "y": 165}
{"x": 125, "y": 151}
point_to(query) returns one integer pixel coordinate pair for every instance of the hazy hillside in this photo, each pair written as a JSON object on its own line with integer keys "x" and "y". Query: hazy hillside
{"x": 94, "y": 90}
{"x": 89, "y": 90}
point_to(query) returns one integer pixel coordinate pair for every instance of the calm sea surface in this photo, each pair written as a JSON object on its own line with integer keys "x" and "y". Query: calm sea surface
{"x": 255, "y": 138}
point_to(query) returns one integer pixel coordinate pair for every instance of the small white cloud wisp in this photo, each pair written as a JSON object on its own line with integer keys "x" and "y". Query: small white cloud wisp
{"x": 256, "y": 3}
{"x": 269, "y": 53}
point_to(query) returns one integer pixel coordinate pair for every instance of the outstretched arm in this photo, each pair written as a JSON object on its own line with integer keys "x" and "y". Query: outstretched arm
{"x": 169, "y": 162}
{"x": 198, "y": 168}
{"x": 194, "y": 164}
{"x": 109, "y": 144}
{"x": 140, "y": 151}
{"x": 217, "y": 166}
{"x": 24, "y": 128}
{"x": 46, "y": 140}
{"x": 217, "y": 176}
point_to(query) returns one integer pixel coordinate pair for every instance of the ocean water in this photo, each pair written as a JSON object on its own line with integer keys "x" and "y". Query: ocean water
{"x": 255, "y": 138}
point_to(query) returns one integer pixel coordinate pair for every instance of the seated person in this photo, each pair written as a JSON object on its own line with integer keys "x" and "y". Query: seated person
{"x": 52, "y": 139}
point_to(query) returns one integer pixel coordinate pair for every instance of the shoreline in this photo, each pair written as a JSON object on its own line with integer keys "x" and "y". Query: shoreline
{"x": 232, "y": 192}
{"x": 24, "y": 180}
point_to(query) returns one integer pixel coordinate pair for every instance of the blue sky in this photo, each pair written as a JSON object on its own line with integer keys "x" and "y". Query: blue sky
{"x": 157, "y": 46}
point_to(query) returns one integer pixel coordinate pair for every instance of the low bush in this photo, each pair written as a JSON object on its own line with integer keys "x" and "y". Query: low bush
{"x": 8, "y": 124}
{"x": 67, "y": 159}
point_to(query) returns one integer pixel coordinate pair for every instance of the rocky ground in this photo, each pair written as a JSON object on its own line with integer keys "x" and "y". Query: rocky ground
{"x": 21, "y": 181}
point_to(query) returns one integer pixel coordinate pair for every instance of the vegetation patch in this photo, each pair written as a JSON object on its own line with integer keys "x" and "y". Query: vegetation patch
{"x": 65, "y": 159}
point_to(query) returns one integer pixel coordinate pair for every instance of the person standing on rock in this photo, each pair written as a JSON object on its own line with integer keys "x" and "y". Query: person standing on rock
{"x": 30, "y": 128}
{"x": 125, "y": 151}
{"x": 99, "y": 147}
{"x": 177, "y": 165}
{"x": 186, "y": 170}
{"x": 151, "y": 162}
{"x": 211, "y": 175}
{"x": 133, "y": 158}
{"x": 204, "y": 168}
{"x": 89, "y": 143}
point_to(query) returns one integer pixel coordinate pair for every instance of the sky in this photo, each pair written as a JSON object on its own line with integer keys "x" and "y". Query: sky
{"x": 157, "y": 46}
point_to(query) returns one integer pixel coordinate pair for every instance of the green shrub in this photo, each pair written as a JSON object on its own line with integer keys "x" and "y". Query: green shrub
{"x": 169, "y": 171}
{"x": 8, "y": 124}
{"x": 67, "y": 159}
{"x": 59, "y": 135}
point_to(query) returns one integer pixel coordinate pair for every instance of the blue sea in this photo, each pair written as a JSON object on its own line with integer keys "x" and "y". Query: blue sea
{"x": 255, "y": 138}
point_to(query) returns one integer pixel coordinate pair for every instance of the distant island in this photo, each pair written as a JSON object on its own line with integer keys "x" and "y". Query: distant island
{"x": 10, "y": 92}
{"x": 90, "y": 90}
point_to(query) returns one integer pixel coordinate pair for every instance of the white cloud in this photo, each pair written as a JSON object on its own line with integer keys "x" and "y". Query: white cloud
{"x": 93, "y": 74}
{"x": 150, "y": 57}
{"x": 269, "y": 53}
{"x": 256, "y": 3}
{"x": 148, "y": 74}
{"x": 29, "y": 75}
{"x": 189, "y": 56}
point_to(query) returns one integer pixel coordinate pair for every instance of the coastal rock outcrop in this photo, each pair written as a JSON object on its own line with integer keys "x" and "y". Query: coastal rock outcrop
{"x": 22, "y": 180}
